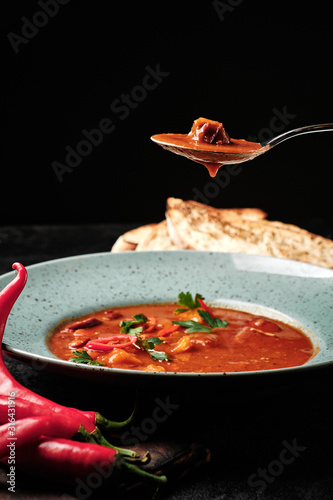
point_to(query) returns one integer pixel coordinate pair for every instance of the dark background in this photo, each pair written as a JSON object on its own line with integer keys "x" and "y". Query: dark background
{"x": 242, "y": 67}
{"x": 238, "y": 64}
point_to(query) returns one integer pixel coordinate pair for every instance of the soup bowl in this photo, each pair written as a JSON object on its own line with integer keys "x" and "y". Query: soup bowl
{"x": 296, "y": 293}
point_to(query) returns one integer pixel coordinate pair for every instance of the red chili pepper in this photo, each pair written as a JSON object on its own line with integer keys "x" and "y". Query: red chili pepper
{"x": 22, "y": 408}
{"x": 11, "y": 405}
{"x": 168, "y": 330}
{"x": 17, "y": 409}
{"x": 151, "y": 325}
{"x": 11, "y": 292}
{"x": 206, "y": 308}
{"x": 101, "y": 344}
{"x": 70, "y": 460}
{"x": 30, "y": 429}
{"x": 63, "y": 459}
{"x": 38, "y": 404}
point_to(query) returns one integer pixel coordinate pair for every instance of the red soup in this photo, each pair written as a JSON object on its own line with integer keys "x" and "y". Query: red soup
{"x": 184, "y": 337}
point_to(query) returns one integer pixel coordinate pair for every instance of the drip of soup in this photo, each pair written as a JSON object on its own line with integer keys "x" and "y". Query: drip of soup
{"x": 166, "y": 338}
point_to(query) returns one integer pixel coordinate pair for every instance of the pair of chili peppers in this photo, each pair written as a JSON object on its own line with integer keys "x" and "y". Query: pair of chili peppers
{"x": 50, "y": 437}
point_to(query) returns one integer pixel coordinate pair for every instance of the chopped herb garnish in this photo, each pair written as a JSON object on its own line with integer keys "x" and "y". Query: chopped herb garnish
{"x": 140, "y": 318}
{"x": 192, "y": 326}
{"x": 186, "y": 299}
{"x": 159, "y": 355}
{"x": 84, "y": 358}
{"x": 131, "y": 327}
{"x": 135, "y": 331}
{"x": 212, "y": 322}
{"x": 149, "y": 344}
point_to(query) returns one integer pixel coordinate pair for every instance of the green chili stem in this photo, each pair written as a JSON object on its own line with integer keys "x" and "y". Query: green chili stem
{"x": 145, "y": 475}
{"x": 84, "y": 436}
{"x": 109, "y": 425}
{"x": 100, "y": 439}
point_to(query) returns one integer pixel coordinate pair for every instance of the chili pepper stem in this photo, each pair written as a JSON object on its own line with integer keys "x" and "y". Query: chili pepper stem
{"x": 146, "y": 458}
{"x": 100, "y": 439}
{"x": 109, "y": 425}
{"x": 84, "y": 436}
{"x": 140, "y": 472}
{"x": 142, "y": 460}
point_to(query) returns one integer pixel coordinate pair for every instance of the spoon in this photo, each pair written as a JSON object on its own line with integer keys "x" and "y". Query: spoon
{"x": 238, "y": 151}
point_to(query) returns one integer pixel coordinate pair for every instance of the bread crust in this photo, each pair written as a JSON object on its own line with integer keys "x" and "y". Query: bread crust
{"x": 130, "y": 240}
{"x": 191, "y": 225}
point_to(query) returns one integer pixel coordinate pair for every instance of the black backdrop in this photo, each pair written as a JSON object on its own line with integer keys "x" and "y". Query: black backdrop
{"x": 139, "y": 68}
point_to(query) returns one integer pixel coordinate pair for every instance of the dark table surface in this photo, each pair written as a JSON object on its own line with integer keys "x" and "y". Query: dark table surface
{"x": 271, "y": 439}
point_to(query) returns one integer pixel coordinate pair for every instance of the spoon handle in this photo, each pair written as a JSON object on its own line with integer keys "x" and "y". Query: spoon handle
{"x": 321, "y": 127}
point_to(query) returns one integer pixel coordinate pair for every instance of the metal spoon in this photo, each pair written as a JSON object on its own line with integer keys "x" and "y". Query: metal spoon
{"x": 214, "y": 159}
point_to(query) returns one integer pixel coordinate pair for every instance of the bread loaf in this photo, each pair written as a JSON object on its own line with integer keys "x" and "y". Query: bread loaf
{"x": 190, "y": 225}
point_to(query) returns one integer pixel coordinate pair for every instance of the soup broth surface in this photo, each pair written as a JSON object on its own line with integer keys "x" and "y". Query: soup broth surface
{"x": 225, "y": 341}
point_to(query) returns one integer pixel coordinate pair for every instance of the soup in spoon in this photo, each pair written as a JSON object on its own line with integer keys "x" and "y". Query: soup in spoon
{"x": 208, "y": 143}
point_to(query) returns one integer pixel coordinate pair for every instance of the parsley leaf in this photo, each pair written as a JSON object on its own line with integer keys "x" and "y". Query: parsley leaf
{"x": 159, "y": 355}
{"x": 84, "y": 358}
{"x": 140, "y": 318}
{"x": 131, "y": 327}
{"x": 212, "y": 322}
{"x": 192, "y": 326}
{"x": 149, "y": 343}
{"x": 135, "y": 331}
{"x": 186, "y": 299}
{"x": 149, "y": 346}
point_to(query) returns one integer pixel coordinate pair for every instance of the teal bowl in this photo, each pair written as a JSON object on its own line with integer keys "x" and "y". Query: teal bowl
{"x": 296, "y": 293}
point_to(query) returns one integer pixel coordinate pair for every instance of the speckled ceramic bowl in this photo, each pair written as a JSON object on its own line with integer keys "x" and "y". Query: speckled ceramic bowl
{"x": 294, "y": 292}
